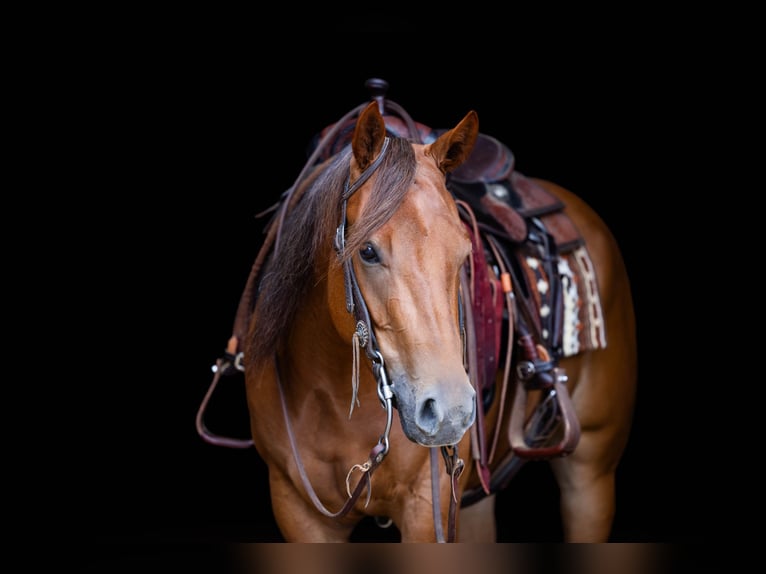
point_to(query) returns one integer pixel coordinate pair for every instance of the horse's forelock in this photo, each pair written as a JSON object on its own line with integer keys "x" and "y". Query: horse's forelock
{"x": 390, "y": 183}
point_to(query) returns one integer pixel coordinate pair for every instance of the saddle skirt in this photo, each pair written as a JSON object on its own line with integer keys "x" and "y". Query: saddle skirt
{"x": 537, "y": 236}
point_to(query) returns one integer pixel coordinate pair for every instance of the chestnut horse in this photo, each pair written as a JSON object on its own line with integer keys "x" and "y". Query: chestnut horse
{"x": 359, "y": 309}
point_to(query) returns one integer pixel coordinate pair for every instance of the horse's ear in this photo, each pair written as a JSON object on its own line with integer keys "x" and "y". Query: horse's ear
{"x": 454, "y": 146}
{"x": 369, "y": 134}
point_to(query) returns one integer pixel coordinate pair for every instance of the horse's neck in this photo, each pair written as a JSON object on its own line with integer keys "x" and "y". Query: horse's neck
{"x": 326, "y": 356}
{"x": 317, "y": 372}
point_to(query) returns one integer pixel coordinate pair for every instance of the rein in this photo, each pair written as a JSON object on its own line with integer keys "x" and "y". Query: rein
{"x": 377, "y": 454}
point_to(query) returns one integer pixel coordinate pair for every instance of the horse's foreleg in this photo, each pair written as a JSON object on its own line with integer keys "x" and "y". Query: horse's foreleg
{"x": 477, "y": 521}
{"x": 298, "y": 520}
{"x": 587, "y": 499}
{"x": 586, "y": 478}
{"x": 603, "y": 399}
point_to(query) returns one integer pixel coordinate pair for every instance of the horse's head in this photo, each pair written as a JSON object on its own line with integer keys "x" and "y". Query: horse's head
{"x": 408, "y": 272}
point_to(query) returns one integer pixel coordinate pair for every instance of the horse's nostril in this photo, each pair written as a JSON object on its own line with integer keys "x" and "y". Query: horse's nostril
{"x": 471, "y": 414}
{"x": 428, "y": 416}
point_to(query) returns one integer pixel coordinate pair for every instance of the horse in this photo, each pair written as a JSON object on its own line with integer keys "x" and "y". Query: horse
{"x": 388, "y": 288}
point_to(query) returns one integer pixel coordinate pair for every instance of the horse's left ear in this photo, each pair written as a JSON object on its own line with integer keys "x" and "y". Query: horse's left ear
{"x": 454, "y": 146}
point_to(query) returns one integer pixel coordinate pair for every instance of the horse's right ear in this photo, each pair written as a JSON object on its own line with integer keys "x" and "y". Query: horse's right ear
{"x": 453, "y": 147}
{"x": 369, "y": 134}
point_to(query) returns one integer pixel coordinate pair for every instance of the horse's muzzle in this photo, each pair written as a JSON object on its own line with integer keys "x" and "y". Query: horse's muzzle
{"x": 435, "y": 415}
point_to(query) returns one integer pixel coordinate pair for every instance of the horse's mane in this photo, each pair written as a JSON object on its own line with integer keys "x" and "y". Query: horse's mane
{"x": 306, "y": 243}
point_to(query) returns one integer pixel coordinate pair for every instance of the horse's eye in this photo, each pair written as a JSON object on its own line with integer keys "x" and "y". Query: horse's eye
{"x": 368, "y": 254}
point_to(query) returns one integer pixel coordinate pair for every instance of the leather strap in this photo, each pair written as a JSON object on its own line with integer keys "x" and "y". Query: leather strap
{"x": 377, "y": 454}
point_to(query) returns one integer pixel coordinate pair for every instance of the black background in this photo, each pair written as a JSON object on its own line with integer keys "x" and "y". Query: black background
{"x": 195, "y": 126}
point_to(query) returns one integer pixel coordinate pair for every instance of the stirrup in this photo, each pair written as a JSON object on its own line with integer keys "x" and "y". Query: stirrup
{"x": 524, "y": 436}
